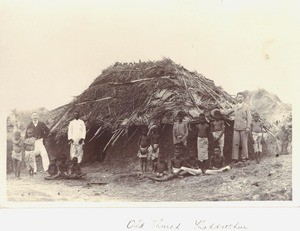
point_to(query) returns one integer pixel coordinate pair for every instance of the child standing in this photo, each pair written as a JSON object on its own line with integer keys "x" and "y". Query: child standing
{"x": 17, "y": 153}
{"x": 283, "y": 140}
{"x": 143, "y": 143}
{"x": 257, "y": 134}
{"x": 180, "y": 130}
{"x": 154, "y": 147}
{"x": 218, "y": 128}
{"x": 203, "y": 130}
{"x": 29, "y": 152}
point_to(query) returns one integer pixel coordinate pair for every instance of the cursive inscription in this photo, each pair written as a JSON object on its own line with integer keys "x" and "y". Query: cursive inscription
{"x": 162, "y": 224}
{"x": 198, "y": 225}
{"x": 135, "y": 224}
{"x": 203, "y": 225}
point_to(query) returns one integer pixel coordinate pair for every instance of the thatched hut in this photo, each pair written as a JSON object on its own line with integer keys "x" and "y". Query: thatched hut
{"x": 128, "y": 95}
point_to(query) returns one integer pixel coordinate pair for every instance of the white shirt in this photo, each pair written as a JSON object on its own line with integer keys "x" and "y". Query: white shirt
{"x": 76, "y": 130}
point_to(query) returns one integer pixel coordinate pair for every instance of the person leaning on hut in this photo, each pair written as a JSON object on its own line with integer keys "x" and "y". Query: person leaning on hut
{"x": 180, "y": 130}
{"x": 40, "y": 132}
{"x": 241, "y": 127}
{"x": 76, "y": 137}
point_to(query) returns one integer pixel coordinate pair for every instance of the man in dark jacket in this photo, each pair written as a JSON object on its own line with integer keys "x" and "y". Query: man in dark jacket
{"x": 40, "y": 132}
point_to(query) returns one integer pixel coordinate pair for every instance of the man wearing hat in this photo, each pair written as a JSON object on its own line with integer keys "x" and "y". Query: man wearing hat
{"x": 242, "y": 127}
{"x": 218, "y": 128}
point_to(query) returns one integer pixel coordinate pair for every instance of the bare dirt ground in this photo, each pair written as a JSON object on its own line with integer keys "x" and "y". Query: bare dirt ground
{"x": 269, "y": 180}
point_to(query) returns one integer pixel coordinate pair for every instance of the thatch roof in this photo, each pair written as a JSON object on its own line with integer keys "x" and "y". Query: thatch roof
{"x": 142, "y": 93}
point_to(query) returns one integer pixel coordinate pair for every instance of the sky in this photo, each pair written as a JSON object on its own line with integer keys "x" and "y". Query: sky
{"x": 51, "y": 51}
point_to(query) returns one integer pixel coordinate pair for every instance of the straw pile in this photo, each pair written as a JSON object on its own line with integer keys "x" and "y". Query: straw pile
{"x": 268, "y": 105}
{"x": 143, "y": 93}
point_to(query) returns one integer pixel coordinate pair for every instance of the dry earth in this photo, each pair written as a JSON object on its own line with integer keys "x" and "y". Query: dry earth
{"x": 269, "y": 180}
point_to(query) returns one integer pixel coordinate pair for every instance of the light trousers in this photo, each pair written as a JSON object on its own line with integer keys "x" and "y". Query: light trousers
{"x": 76, "y": 150}
{"x": 239, "y": 137}
{"x": 41, "y": 150}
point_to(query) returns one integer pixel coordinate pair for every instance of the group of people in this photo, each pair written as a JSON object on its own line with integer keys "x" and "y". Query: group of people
{"x": 33, "y": 144}
{"x": 182, "y": 163}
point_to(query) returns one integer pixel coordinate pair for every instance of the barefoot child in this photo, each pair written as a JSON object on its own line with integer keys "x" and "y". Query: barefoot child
{"x": 283, "y": 141}
{"x": 176, "y": 162}
{"x": 75, "y": 169}
{"x": 180, "y": 130}
{"x": 257, "y": 134}
{"x": 218, "y": 128}
{"x": 154, "y": 147}
{"x": 161, "y": 167}
{"x": 143, "y": 143}
{"x": 17, "y": 153}
{"x": 161, "y": 171}
{"x": 53, "y": 170}
{"x": 29, "y": 152}
{"x": 217, "y": 162}
{"x": 63, "y": 165}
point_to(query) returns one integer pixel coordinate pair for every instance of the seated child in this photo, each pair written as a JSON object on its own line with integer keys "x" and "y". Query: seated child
{"x": 161, "y": 167}
{"x": 161, "y": 171}
{"x": 53, "y": 170}
{"x": 217, "y": 162}
{"x": 17, "y": 153}
{"x": 176, "y": 162}
{"x": 63, "y": 165}
{"x": 75, "y": 169}
{"x": 29, "y": 152}
{"x": 143, "y": 143}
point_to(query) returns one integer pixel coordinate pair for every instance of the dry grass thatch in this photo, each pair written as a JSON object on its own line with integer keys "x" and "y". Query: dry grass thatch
{"x": 141, "y": 94}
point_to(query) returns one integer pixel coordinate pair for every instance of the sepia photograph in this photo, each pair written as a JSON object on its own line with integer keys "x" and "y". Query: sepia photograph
{"x": 147, "y": 101}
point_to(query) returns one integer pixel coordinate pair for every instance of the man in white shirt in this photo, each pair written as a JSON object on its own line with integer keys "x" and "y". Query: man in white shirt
{"x": 76, "y": 136}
